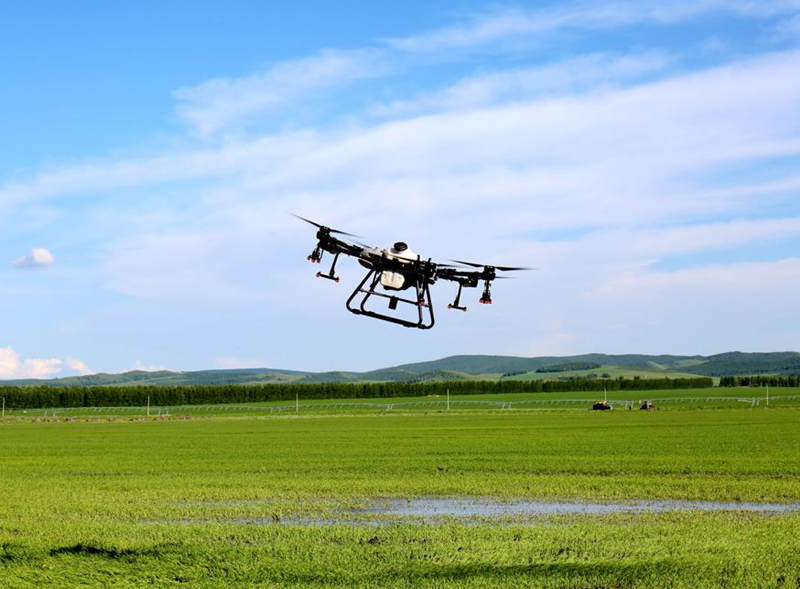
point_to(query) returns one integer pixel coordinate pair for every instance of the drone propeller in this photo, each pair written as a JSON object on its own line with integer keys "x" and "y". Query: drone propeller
{"x": 315, "y": 224}
{"x": 501, "y": 268}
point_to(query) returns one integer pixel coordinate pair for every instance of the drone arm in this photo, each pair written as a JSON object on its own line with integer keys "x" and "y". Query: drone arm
{"x": 470, "y": 279}
{"x": 466, "y": 278}
{"x": 332, "y": 245}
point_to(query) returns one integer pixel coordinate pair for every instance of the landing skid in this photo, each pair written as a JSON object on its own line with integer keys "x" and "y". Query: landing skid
{"x": 423, "y": 302}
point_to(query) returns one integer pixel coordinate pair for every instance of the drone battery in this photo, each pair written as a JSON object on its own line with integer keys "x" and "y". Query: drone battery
{"x": 393, "y": 303}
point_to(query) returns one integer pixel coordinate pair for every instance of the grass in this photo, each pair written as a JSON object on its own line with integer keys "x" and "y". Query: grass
{"x": 167, "y": 502}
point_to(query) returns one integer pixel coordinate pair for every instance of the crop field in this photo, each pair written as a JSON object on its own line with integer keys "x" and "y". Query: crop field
{"x": 253, "y": 497}
{"x": 667, "y": 399}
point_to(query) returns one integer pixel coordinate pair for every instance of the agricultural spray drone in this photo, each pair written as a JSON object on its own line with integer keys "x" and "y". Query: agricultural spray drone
{"x": 396, "y": 269}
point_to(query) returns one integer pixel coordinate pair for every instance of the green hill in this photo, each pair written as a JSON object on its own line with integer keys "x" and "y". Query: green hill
{"x": 469, "y": 367}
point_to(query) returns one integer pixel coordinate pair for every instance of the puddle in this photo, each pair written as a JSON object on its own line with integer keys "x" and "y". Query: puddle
{"x": 432, "y": 507}
{"x": 476, "y": 510}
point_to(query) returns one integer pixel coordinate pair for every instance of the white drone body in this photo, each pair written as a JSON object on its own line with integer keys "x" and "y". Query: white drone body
{"x": 402, "y": 253}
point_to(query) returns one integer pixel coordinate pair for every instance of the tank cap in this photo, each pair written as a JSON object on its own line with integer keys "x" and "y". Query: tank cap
{"x": 400, "y": 246}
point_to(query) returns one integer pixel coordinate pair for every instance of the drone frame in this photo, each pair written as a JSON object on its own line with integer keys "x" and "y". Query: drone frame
{"x": 417, "y": 273}
{"x": 423, "y": 302}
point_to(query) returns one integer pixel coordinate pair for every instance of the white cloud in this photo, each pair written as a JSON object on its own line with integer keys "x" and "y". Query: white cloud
{"x": 611, "y": 158}
{"x": 758, "y": 282}
{"x": 174, "y": 266}
{"x": 503, "y": 24}
{"x": 229, "y": 160}
{"x": 653, "y": 244}
{"x": 139, "y": 365}
{"x": 78, "y": 366}
{"x": 477, "y": 170}
{"x": 587, "y": 71}
{"x": 12, "y": 366}
{"x": 38, "y": 258}
{"x": 217, "y": 103}
{"x": 633, "y": 135}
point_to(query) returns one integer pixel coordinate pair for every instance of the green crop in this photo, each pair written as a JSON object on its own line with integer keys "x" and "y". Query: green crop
{"x": 263, "y": 500}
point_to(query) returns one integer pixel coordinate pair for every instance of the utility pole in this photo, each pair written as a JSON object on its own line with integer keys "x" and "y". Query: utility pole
{"x": 148, "y": 405}
{"x": 297, "y": 401}
{"x": 767, "y": 394}
{"x": 448, "y": 398}
{"x": 4, "y": 406}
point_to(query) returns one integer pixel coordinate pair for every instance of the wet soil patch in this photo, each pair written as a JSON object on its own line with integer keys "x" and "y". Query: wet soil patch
{"x": 465, "y": 507}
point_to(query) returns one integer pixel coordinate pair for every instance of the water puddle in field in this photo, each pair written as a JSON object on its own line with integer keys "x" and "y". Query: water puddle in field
{"x": 488, "y": 508}
{"x": 477, "y": 510}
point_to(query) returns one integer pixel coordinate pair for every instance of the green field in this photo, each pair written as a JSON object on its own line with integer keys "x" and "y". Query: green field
{"x": 664, "y": 399}
{"x": 240, "y": 498}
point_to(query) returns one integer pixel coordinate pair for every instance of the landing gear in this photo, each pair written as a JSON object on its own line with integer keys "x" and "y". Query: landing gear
{"x": 330, "y": 275}
{"x": 367, "y": 287}
{"x": 455, "y": 303}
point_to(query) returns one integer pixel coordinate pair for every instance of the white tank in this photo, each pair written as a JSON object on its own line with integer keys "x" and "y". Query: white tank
{"x": 392, "y": 280}
{"x": 399, "y": 251}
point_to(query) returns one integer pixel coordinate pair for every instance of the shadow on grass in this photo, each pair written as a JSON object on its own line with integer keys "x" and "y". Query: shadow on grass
{"x": 90, "y": 550}
{"x": 10, "y": 552}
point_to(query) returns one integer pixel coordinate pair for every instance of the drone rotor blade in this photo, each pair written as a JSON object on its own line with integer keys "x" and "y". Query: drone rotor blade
{"x": 501, "y": 268}
{"x": 473, "y": 264}
{"x": 315, "y": 224}
{"x": 344, "y": 233}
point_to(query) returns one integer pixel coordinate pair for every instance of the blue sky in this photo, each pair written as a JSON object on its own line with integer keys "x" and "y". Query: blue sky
{"x": 643, "y": 155}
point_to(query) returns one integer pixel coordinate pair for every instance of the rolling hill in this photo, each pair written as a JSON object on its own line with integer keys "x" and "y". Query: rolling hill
{"x": 468, "y": 367}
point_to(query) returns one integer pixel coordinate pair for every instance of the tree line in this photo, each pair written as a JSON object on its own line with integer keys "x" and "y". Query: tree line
{"x": 760, "y": 381}
{"x": 33, "y": 397}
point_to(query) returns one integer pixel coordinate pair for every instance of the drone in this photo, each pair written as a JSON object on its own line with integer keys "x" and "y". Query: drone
{"x": 394, "y": 271}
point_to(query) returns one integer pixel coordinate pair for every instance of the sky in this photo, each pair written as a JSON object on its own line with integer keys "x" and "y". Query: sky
{"x": 643, "y": 156}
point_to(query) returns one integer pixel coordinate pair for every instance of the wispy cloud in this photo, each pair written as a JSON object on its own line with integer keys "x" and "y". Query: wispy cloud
{"x": 569, "y": 76}
{"x": 509, "y": 23}
{"x": 38, "y": 258}
{"x": 593, "y": 159}
{"x": 192, "y": 164}
{"x": 625, "y": 157}
{"x": 217, "y": 103}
